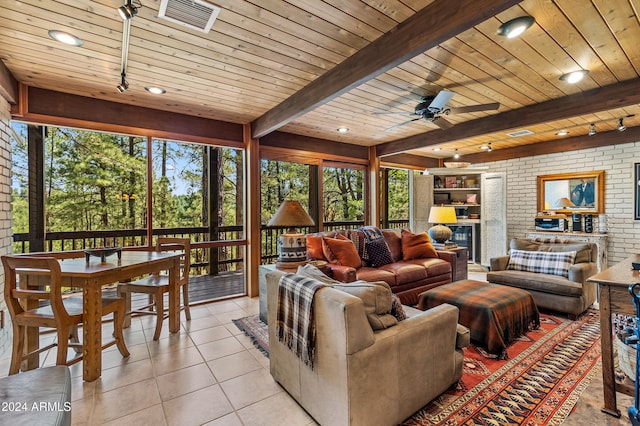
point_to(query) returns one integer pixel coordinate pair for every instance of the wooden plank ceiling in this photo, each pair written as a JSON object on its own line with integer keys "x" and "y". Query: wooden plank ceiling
{"x": 308, "y": 67}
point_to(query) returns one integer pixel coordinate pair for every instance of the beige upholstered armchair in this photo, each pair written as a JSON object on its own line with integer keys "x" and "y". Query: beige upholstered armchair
{"x": 362, "y": 377}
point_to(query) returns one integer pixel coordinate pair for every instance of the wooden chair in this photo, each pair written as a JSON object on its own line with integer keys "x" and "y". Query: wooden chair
{"x": 157, "y": 285}
{"x": 63, "y": 313}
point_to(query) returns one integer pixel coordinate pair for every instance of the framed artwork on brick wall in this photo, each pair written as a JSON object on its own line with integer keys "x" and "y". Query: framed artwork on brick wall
{"x": 636, "y": 191}
{"x": 580, "y": 192}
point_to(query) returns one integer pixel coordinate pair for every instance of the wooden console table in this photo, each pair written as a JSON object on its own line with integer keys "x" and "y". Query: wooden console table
{"x": 614, "y": 298}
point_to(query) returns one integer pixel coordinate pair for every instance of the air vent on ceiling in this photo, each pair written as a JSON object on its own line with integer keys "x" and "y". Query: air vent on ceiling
{"x": 520, "y": 133}
{"x": 196, "y": 14}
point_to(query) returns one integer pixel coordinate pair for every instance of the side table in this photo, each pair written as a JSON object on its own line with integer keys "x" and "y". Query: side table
{"x": 459, "y": 270}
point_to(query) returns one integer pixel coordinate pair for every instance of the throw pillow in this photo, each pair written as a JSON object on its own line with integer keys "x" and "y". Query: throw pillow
{"x": 396, "y": 308}
{"x": 343, "y": 251}
{"x": 416, "y": 246}
{"x": 314, "y": 247}
{"x": 378, "y": 252}
{"x": 554, "y": 263}
{"x": 376, "y": 297}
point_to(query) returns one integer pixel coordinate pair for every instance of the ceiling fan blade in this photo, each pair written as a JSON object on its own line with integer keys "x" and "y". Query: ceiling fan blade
{"x": 474, "y": 108}
{"x": 440, "y": 101}
{"x": 402, "y": 124}
{"x": 442, "y": 123}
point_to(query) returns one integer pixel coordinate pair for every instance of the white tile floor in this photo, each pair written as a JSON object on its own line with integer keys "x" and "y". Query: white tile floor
{"x": 209, "y": 373}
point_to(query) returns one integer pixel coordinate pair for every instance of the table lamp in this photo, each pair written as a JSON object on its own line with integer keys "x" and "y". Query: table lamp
{"x": 441, "y": 215}
{"x": 292, "y": 245}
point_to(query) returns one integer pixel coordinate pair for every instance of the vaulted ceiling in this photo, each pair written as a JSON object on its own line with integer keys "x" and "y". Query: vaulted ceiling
{"x": 309, "y": 67}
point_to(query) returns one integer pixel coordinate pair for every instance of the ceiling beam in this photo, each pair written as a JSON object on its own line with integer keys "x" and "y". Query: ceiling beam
{"x": 600, "y": 139}
{"x": 434, "y": 24}
{"x": 8, "y": 85}
{"x": 605, "y": 98}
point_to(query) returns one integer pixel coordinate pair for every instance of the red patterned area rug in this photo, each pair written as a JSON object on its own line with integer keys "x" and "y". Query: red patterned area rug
{"x": 539, "y": 384}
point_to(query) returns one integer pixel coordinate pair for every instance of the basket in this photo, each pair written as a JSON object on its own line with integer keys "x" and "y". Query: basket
{"x": 627, "y": 359}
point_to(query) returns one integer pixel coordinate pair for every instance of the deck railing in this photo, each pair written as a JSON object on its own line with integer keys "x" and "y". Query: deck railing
{"x": 226, "y": 252}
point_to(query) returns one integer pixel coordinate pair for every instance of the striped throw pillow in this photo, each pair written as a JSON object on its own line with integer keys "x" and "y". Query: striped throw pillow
{"x": 555, "y": 263}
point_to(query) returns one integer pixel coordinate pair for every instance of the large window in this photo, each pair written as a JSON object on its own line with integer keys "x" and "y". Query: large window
{"x": 396, "y": 182}
{"x": 92, "y": 181}
{"x": 343, "y": 197}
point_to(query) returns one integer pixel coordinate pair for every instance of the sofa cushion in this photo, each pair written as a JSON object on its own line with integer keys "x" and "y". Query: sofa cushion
{"x": 394, "y": 242}
{"x": 532, "y": 281}
{"x": 434, "y": 266}
{"x": 376, "y": 297}
{"x": 406, "y": 272}
{"x": 343, "y": 251}
{"x": 416, "y": 246}
{"x": 554, "y": 263}
{"x": 367, "y": 273}
{"x": 554, "y": 245}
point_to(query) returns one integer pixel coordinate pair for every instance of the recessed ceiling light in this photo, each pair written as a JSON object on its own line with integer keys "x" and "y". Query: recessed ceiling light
{"x": 563, "y": 133}
{"x": 484, "y": 147}
{"x": 155, "y": 90}
{"x": 343, "y": 129}
{"x": 437, "y": 149}
{"x": 574, "y": 77}
{"x": 65, "y": 38}
{"x": 515, "y": 27}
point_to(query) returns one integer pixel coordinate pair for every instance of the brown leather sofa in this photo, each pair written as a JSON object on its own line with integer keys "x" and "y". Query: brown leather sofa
{"x": 407, "y": 278}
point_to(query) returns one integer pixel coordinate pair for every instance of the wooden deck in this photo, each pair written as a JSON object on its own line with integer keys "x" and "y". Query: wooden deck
{"x": 203, "y": 288}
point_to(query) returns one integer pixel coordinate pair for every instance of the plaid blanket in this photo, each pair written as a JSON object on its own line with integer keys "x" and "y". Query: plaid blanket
{"x": 495, "y": 314}
{"x": 295, "y": 324}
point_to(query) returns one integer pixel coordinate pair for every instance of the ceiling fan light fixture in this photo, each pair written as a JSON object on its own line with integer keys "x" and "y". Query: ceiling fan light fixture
{"x": 489, "y": 149}
{"x": 574, "y": 77}
{"x": 592, "y": 129}
{"x": 621, "y": 127}
{"x": 516, "y": 26}
{"x": 65, "y": 37}
{"x": 128, "y": 10}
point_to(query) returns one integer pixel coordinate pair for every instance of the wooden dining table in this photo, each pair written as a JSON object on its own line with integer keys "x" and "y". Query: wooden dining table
{"x": 93, "y": 274}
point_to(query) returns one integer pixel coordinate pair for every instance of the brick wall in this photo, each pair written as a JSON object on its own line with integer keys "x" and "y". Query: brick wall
{"x": 6, "y": 233}
{"x": 617, "y": 162}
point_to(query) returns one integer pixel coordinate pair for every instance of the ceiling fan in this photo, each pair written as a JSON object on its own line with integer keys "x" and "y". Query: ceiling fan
{"x": 432, "y": 108}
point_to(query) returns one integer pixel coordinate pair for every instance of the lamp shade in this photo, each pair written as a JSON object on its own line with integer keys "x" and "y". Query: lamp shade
{"x": 292, "y": 214}
{"x": 291, "y": 245}
{"x": 441, "y": 214}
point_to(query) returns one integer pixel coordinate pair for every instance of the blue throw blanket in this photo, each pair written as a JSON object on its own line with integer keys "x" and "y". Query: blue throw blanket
{"x": 295, "y": 324}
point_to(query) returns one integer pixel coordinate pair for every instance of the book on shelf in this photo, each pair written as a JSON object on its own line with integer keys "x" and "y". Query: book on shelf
{"x": 444, "y": 246}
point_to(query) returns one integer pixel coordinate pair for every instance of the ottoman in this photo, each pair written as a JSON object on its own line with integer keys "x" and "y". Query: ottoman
{"x": 495, "y": 314}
